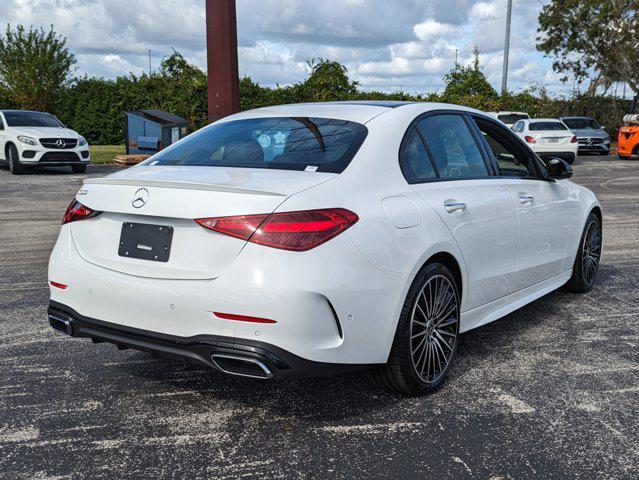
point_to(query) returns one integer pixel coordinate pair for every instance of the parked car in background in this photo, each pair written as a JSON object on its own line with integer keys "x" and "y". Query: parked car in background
{"x": 311, "y": 239}
{"x": 38, "y": 139}
{"x": 591, "y": 137}
{"x": 548, "y": 138}
{"x": 628, "y": 139}
{"x": 509, "y": 118}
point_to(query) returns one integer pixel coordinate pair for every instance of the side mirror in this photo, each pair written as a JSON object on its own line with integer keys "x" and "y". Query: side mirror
{"x": 558, "y": 169}
{"x": 603, "y": 127}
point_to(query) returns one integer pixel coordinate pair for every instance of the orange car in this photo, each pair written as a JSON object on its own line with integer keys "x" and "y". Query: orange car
{"x": 628, "y": 141}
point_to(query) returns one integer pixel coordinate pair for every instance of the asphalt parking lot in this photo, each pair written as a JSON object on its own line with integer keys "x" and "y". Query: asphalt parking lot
{"x": 550, "y": 391}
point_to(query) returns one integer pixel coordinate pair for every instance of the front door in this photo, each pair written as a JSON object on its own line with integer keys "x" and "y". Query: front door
{"x": 546, "y": 212}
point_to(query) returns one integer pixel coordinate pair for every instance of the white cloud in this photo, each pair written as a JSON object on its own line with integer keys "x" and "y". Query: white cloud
{"x": 386, "y": 45}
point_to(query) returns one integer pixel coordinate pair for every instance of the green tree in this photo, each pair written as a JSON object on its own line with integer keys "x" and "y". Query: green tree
{"x": 328, "y": 81}
{"x": 592, "y": 35}
{"x": 35, "y": 66}
{"x": 468, "y": 81}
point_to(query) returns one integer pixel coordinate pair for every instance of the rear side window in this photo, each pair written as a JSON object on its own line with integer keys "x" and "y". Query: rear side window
{"x": 414, "y": 160}
{"x": 452, "y": 147}
{"x": 540, "y": 126}
{"x": 283, "y": 143}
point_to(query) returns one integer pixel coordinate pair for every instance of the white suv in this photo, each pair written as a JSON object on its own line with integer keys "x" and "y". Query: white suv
{"x": 40, "y": 139}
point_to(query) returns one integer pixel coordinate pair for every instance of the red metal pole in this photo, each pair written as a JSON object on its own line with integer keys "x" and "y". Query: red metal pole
{"x": 221, "y": 56}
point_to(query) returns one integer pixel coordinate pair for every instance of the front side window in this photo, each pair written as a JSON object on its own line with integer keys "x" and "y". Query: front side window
{"x": 453, "y": 147}
{"x": 414, "y": 160}
{"x": 31, "y": 119}
{"x": 283, "y": 143}
{"x": 545, "y": 126}
{"x": 510, "y": 157}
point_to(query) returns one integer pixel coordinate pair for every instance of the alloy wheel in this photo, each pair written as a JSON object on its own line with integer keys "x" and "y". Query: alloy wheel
{"x": 434, "y": 328}
{"x": 591, "y": 251}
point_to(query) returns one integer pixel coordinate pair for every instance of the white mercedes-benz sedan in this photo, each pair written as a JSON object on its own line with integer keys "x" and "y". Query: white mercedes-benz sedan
{"x": 548, "y": 138}
{"x": 320, "y": 238}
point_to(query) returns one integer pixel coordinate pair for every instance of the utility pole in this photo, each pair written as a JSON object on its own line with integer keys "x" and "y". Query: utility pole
{"x": 149, "y": 62}
{"x": 221, "y": 56}
{"x": 504, "y": 75}
{"x": 456, "y": 52}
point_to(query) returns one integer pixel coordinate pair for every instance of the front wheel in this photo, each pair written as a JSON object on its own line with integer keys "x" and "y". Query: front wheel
{"x": 79, "y": 168}
{"x": 426, "y": 338}
{"x": 14, "y": 160}
{"x": 588, "y": 257}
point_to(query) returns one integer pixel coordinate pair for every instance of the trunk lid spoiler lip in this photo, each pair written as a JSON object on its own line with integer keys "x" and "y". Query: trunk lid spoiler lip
{"x": 181, "y": 185}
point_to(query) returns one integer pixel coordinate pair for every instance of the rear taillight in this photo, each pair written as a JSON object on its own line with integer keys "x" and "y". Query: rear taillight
{"x": 297, "y": 231}
{"x": 530, "y": 139}
{"x": 77, "y": 211}
{"x": 573, "y": 139}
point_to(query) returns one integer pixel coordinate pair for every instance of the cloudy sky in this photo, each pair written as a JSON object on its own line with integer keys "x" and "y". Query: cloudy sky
{"x": 386, "y": 45}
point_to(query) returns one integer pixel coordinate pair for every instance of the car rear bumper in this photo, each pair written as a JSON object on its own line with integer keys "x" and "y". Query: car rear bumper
{"x": 340, "y": 311}
{"x": 230, "y": 355}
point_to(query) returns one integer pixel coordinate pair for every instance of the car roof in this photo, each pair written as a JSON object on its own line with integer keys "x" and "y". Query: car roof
{"x": 576, "y": 118}
{"x": 355, "y": 111}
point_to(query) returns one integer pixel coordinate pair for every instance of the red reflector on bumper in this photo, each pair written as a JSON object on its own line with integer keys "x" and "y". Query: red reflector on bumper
{"x": 61, "y": 286}
{"x": 242, "y": 318}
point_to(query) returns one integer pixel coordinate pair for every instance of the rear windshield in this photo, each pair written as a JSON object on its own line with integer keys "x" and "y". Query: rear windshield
{"x": 539, "y": 126}
{"x": 283, "y": 143}
{"x": 31, "y": 119}
{"x": 512, "y": 118}
{"x": 581, "y": 123}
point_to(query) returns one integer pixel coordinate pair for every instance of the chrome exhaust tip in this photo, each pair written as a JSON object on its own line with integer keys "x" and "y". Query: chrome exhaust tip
{"x": 61, "y": 324}
{"x": 241, "y": 366}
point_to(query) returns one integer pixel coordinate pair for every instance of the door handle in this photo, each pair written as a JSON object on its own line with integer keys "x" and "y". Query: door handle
{"x": 453, "y": 207}
{"x": 525, "y": 199}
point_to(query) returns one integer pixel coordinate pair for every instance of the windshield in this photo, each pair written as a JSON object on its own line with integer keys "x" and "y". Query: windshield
{"x": 539, "y": 126}
{"x": 581, "y": 123}
{"x": 31, "y": 119}
{"x": 512, "y": 118}
{"x": 285, "y": 143}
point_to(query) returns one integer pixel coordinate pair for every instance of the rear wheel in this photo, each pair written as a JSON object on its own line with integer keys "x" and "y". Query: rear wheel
{"x": 14, "y": 160}
{"x": 79, "y": 168}
{"x": 425, "y": 342}
{"x": 588, "y": 256}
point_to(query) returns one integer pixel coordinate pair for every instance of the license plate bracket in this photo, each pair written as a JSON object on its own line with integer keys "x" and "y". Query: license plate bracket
{"x": 145, "y": 241}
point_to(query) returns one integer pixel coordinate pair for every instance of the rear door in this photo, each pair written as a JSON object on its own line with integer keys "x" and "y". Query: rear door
{"x": 442, "y": 160}
{"x": 546, "y": 211}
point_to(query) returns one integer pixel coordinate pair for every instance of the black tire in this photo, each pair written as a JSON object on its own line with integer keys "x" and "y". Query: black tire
{"x": 571, "y": 160}
{"x": 14, "y": 160}
{"x": 79, "y": 168}
{"x": 623, "y": 157}
{"x": 584, "y": 270}
{"x": 604, "y": 153}
{"x": 402, "y": 372}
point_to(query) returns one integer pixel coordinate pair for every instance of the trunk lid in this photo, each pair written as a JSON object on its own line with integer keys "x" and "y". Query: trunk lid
{"x": 171, "y": 196}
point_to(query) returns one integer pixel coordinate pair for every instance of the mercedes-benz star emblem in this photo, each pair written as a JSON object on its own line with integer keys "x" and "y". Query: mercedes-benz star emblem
{"x": 60, "y": 143}
{"x": 140, "y": 198}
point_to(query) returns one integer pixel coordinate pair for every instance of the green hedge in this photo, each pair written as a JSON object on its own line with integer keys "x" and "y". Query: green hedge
{"x": 95, "y": 107}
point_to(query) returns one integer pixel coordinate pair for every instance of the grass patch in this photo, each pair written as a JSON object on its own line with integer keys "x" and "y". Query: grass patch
{"x": 105, "y": 153}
